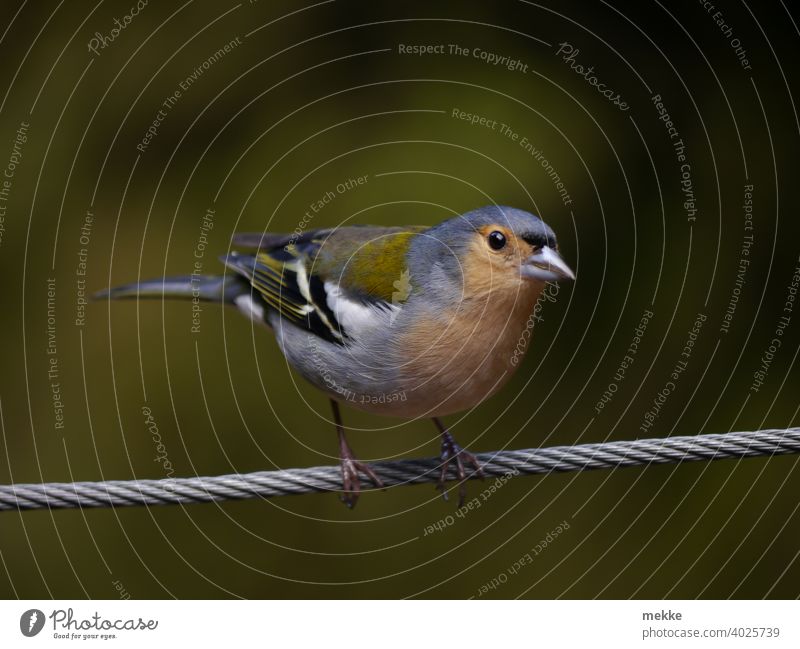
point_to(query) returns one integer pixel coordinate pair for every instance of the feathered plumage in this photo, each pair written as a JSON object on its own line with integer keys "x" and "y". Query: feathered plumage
{"x": 410, "y": 321}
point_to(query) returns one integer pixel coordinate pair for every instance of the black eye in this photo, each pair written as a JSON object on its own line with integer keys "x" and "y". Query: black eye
{"x": 497, "y": 240}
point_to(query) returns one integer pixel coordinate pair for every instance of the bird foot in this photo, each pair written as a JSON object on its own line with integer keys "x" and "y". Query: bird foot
{"x": 351, "y": 482}
{"x": 451, "y": 451}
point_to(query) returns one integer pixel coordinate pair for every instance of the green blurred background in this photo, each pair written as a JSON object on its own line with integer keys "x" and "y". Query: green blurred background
{"x": 307, "y": 98}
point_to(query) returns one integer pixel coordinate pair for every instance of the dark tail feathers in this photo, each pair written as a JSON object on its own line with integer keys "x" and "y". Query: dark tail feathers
{"x": 209, "y": 288}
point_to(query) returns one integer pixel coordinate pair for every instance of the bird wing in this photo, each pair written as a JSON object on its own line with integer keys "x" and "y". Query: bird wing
{"x": 330, "y": 282}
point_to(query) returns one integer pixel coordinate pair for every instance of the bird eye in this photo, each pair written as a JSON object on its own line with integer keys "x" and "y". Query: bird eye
{"x": 497, "y": 240}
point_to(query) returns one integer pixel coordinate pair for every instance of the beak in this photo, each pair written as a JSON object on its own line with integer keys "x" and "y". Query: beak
{"x": 546, "y": 265}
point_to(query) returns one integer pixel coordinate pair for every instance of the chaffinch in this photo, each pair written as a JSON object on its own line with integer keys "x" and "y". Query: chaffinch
{"x": 410, "y": 321}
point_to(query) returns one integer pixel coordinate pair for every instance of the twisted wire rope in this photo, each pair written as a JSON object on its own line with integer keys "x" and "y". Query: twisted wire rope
{"x": 267, "y": 484}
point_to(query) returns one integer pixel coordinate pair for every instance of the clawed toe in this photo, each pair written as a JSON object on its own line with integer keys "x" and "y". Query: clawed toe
{"x": 451, "y": 452}
{"x": 351, "y": 482}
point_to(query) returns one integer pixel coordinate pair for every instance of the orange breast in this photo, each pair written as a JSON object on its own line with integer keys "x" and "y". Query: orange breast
{"x": 458, "y": 359}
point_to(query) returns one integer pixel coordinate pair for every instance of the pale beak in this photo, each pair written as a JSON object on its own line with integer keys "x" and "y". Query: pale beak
{"x": 546, "y": 265}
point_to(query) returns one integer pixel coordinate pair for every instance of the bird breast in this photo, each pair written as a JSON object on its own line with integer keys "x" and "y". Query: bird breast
{"x": 457, "y": 358}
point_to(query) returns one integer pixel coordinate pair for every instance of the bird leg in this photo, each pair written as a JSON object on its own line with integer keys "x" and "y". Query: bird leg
{"x": 351, "y": 484}
{"x": 452, "y": 451}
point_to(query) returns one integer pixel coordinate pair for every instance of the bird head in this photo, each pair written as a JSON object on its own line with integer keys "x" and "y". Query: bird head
{"x": 495, "y": 247}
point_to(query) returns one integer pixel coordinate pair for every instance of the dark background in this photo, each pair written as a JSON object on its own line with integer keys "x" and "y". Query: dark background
{"x": 321, "y": 94}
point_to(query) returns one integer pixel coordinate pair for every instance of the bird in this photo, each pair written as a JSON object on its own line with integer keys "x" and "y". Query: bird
{"x": 404, "y": 321}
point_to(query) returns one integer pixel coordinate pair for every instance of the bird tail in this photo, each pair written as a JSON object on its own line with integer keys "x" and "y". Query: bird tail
{"x": 208, "y": 288}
